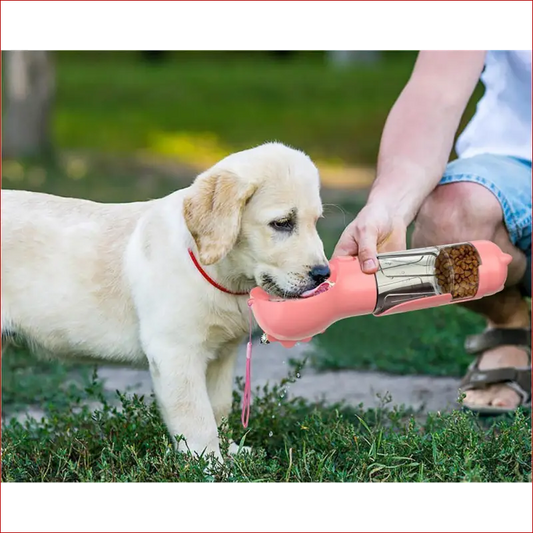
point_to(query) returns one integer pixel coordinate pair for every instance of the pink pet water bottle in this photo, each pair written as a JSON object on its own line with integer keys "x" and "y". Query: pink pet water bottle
{"x": 405, "y": 281}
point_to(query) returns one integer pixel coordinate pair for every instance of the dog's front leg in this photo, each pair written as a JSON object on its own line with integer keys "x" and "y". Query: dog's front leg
{"x": 179, "y": 379}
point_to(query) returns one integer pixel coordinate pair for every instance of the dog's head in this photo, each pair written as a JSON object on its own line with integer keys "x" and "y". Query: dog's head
{"x": 258, "y": 210}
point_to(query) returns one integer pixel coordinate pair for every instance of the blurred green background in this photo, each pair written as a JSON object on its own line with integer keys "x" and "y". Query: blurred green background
{"x": 127, "y": 126}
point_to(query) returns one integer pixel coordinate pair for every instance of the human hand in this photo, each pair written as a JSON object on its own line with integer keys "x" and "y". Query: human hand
{"x": 375, "y": 229}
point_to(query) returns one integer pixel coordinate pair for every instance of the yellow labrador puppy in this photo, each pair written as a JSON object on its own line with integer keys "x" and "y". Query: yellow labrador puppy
{"x": 163, "y": 283}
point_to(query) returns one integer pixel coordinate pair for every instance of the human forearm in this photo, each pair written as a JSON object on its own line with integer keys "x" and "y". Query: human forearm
{"x": 415, "y": 147}
{"x": 419, "y": 133}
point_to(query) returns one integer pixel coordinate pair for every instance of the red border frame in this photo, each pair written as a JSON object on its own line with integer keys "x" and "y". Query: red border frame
{"x": 247, "y": 1}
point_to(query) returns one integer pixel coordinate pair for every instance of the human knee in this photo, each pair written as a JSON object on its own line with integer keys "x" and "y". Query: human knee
{"x": 457, "y": 212}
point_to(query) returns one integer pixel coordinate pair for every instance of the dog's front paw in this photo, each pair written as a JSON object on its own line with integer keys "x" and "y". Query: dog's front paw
{"x": 235, "y": 449}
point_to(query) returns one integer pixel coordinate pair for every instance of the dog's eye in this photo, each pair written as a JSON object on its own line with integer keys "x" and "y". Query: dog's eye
{"x": 283, "y": 225}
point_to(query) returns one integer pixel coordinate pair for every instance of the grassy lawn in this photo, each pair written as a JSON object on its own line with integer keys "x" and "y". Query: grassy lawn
{"x": 129, "y": 131}
{"x": 200, "y": 106}
{"x": 292, "y": 441}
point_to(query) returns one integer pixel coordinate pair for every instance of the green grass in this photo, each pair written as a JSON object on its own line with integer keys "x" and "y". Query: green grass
{"x": 199, "y": 105}
{"x": 292, "y": 441}
{"x": 29, "y": 381}
{"x": 128, "y": 105}
{"x": 423, "y": 342}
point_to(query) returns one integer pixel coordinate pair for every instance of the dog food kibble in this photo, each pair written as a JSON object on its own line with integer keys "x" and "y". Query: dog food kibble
{"x": 457, "y": 270}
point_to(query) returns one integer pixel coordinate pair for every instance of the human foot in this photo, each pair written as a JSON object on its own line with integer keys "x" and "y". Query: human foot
{"x": 500, "y": 379}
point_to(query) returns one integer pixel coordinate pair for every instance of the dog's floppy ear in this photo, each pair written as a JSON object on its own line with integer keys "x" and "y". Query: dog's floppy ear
{"x": 213, "y": 212}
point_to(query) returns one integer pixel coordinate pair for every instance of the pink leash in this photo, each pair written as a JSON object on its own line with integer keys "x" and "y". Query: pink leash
{"x": 247, "y": 396}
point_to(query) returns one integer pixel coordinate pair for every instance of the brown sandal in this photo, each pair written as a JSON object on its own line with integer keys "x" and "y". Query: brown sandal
{"x": 519, "y": 379}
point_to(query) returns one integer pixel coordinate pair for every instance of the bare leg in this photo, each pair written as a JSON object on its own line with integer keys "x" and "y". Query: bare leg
{"x": 460, "y": 212}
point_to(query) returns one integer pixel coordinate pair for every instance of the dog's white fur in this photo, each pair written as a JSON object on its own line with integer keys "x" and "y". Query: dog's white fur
{"x": 114, "y": 282}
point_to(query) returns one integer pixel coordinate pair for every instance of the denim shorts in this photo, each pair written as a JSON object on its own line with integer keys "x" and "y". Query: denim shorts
{"x": 509, "y": 179}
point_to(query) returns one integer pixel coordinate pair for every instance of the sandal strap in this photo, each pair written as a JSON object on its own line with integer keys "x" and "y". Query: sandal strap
{"x": 492, "y": 338}
{"x": 518, "y": 378}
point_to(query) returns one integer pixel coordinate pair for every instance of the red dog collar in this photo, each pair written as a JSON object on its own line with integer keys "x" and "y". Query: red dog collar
{"x": 211, "y": 280}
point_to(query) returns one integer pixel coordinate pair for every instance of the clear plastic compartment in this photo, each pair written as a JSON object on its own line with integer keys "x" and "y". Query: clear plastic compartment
{"x": 420, "y": 273}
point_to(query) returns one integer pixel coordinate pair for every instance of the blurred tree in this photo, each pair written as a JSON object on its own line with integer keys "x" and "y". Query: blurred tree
{"x": 29, "y": 91}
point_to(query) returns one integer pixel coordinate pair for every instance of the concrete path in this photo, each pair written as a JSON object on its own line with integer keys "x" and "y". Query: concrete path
{"x": 270, "y": 365}
{"x": 424, "y": 393}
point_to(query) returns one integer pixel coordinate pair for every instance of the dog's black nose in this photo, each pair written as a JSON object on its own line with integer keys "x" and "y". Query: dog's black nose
{"x": 320, "y": 273}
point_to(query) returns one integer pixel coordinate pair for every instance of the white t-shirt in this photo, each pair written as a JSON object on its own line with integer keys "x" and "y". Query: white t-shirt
{"x": 502, "y": 122}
